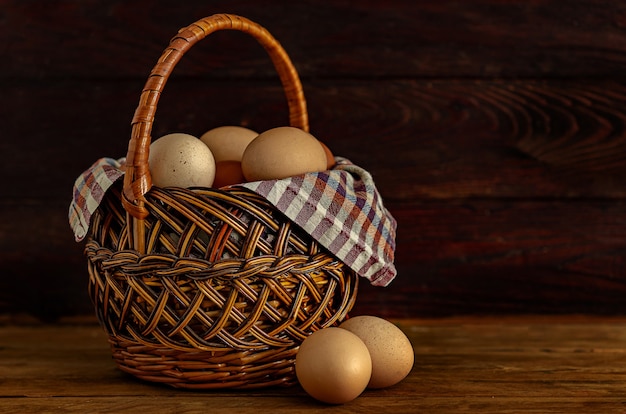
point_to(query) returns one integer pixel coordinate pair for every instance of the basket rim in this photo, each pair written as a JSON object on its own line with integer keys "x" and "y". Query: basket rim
{"x": 137, "y": 179}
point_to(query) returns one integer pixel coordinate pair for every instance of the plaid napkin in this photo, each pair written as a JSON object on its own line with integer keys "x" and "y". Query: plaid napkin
{"x": 340, "y": 208}
{"x": 89, "y": 190}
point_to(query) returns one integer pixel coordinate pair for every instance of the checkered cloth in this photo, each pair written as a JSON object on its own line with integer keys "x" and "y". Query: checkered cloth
{"x": 340, "y": 208}
{"x": 89, "y": 190}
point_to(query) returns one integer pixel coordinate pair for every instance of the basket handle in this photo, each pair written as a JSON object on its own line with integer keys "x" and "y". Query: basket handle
{"x": 137, "y": 180}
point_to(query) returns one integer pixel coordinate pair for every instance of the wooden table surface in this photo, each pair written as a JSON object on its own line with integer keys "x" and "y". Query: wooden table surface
{"x": 462, "y": 365}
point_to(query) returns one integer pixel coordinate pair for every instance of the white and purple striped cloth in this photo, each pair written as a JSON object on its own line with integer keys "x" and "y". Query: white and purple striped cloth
{"x": 340, "y": 208}
{"x": 89, "y": 190}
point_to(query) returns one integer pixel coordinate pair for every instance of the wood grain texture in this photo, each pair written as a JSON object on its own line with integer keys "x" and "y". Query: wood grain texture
{"x": 339, "y": 39}
{"x": 496, "y": 212}
{"x": 420, "y": 139}
{"x": 453, "y": 257}
{"x": 462, "y": 365}
{"x": 495, "y": 131}
{"x": 503, "y": 257}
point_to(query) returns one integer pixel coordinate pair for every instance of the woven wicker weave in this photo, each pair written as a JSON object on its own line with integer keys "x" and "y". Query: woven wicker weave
{"x": 208, "y": 288}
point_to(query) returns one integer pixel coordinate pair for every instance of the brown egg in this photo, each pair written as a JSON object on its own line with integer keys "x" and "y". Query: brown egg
{"x": 390, "y": 349}
{"x": 228, "y": 173}
{"x": 282, "y": 152}
{"x": 330, "y": 158}
{"x": 333, "y": 365}
{"x": 228, "y": 142}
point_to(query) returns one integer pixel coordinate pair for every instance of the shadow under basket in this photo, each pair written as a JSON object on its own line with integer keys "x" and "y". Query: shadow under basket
{"x": 225, "y": 294}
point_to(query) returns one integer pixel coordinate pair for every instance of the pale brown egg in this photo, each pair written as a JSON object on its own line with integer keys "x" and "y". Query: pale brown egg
{"x": 390, "y": 349}
{"x": 282, "y": 152}
{"x": 181, "y": 160}
{"x": 227, "y": 143}
{"x": 333, "y": 365}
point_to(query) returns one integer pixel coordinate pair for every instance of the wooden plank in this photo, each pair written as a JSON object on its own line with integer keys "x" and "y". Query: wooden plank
{"x": 515, "y": 256}
{"x": 286, "y": 405}
{"x": 494, "y": 131}
{"x": 420, "y": 139}
{"x": 462, "y": 365}
{"x": 43, "y": 269}
{"x": 453, "y": 257}
{"x": 524, "y": 180}
{"x": 370, "y": 39}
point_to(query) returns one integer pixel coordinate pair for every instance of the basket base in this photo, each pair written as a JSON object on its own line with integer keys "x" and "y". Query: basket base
{"x": 206, "y": 369}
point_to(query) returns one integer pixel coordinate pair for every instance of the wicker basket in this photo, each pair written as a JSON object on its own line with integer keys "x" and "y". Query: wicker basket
{"x": 208, "y": 288}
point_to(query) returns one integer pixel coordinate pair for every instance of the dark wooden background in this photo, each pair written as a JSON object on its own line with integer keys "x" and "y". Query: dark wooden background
{"x": 495, "y": 131}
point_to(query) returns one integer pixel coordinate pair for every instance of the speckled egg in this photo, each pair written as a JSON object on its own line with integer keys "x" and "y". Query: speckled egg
{"x": 181, "y": 160}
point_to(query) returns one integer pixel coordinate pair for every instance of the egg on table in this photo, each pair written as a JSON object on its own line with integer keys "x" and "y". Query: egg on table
{"x": 181, "y": 160}
{"x": 333, "y": 365}
{"x": 283, "y": 152}
{"x": 391, "y": 351}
